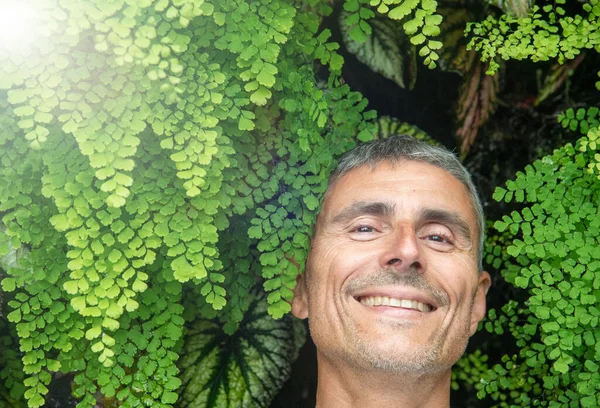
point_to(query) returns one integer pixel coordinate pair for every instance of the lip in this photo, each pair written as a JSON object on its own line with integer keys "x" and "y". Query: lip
{"x": 398, "y": 293}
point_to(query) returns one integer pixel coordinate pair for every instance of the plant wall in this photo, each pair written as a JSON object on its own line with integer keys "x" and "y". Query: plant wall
{"x": 161, "y": 166}
{"x": 162, "y": 161}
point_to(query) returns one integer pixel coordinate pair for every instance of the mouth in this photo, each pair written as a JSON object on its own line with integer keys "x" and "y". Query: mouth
{"x": 396, "y": 302}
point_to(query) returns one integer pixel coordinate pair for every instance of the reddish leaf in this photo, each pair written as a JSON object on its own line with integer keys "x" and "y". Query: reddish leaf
{"x": 477, "y": 101}
{"x": 557, "y": 76}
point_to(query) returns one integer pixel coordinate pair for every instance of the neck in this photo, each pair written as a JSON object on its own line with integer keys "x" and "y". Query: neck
{"x": 342, "y": 386}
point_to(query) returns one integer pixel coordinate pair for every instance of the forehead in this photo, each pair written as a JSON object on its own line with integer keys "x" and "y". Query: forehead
{"x": 406, "y": 184}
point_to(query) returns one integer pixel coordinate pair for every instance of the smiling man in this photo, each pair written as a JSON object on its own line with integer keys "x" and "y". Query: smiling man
{"x": 393, "y": 287}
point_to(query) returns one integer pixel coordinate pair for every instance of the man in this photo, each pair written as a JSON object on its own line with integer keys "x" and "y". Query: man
{"x": 393, "y": 287}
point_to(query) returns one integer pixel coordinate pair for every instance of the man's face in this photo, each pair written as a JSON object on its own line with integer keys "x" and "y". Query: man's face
{"x": 391, "y": 280}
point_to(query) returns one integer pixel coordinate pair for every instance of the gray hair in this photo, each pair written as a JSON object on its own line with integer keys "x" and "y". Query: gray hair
{"x": 399, "y": 148}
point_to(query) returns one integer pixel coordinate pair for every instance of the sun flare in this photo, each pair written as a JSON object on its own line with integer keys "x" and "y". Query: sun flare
{"x": 17, "y": 24}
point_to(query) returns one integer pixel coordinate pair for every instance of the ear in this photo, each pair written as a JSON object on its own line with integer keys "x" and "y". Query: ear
{"x": 300, "y": 301}
{"x": 479, "y": 303}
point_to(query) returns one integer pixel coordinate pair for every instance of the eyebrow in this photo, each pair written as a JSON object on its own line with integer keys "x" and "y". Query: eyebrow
{"x": 449, "y": 218}
{"x": 359, "y": 208}
{"x": 384, "y": 209}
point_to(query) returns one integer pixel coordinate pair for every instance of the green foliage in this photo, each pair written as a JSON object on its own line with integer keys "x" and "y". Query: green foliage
{"x": 355, "y": 21}
{"x": 496, "y": 257}
{"x": 581, "y": 120}
{"x": 386, "y": 126}
{"x": 556, "y": 261}
{"x": 469, "y": 369}
{"x": 7, "y": 401}
{"x": 159, "y": 160}
{"x": 545, "y": 33}
{"x": 390, "y": 51}
{"x": 11, "y": 373}
{"x": 242, "y": 370}
{"x": 386, "y": 50}
{"x": 548, "y": 246}
{"x": 454, "y": 56}
{"x": 419, "y": 22}
{"x": 153, "y": 155}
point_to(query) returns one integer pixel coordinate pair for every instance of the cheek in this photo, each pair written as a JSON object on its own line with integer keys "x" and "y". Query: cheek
{"x": 330, "y": 264}
{"x": 336, "y": 259}
{"x": 459, "y": 279}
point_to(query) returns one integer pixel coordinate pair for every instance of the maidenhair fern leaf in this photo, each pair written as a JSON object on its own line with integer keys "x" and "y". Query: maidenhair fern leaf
{"x": 581, "y": 119}
{"x": 11, "y": 367}
{"x": 357, "y": 19}
{"x": 245, "y": 369}
{"x": 387, "y": 50}
{"x": 545, "y": 34}
{"x": 553, "y": 244}
{"x": 9, "y": 254}
{"x": 151, "y": 143}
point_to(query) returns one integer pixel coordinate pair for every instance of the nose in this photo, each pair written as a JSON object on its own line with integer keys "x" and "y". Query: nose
{"x": 402, "y": 251}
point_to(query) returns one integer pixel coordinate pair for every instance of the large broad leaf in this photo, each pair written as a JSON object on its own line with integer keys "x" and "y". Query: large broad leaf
{"x": 387, "y": 50}
{"x": 477, "y": 97}
{"x": 454, "y": 56}
{"x": 477, "y": 101}
{"x": 245, "y": 369}
{"x": 559, "y": 73}
{"x": 387, "y": 126}
{"x": 520, "y": 8}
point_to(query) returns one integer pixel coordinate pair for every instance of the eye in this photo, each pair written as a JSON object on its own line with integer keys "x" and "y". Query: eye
{"x": 439, "y": 238}
{"x": 364, "y": 228}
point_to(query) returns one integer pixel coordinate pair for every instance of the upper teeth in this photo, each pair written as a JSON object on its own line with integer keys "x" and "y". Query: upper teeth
{"x": 388, "y": 301}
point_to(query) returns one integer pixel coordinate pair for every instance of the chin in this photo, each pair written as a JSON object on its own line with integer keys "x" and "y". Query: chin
{"x": 410, "y": 358}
